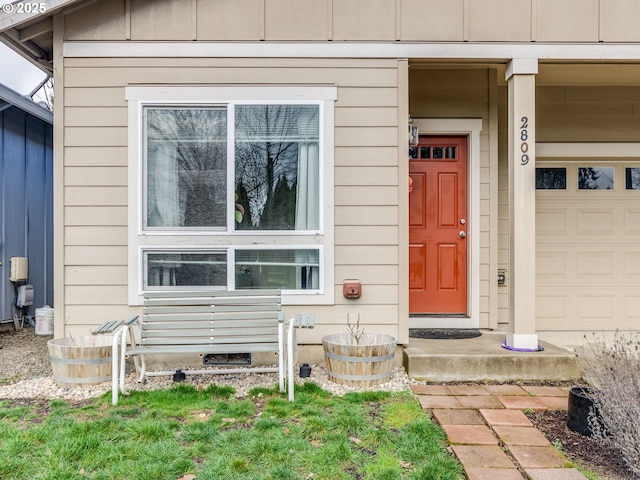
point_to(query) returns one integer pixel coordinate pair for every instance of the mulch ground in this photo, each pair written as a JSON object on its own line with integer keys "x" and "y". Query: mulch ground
{"x": 607, "y": 463}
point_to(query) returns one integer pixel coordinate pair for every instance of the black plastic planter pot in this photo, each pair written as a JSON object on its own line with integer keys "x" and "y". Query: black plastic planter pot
{"x": 580, "y": 404}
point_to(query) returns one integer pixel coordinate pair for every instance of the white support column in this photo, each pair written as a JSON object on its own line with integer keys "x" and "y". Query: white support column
{"x": 521, "y": 77}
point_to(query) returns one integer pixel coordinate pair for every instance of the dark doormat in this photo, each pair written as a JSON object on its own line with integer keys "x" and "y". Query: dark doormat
{"x": 444, "y": 333}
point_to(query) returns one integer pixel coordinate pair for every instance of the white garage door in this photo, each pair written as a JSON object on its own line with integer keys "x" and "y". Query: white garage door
{"x": 587, "y": 245}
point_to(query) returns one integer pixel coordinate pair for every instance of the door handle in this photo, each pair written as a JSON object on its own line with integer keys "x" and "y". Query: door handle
{"x": 462, "y": 234}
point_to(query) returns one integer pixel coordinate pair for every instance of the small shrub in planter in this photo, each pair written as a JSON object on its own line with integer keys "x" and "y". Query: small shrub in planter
{"x": 357, "y": 358}
{"x": 613, "y": 369}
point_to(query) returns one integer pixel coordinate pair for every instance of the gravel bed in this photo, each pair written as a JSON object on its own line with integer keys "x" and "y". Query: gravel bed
{"x": 25, "y": 372}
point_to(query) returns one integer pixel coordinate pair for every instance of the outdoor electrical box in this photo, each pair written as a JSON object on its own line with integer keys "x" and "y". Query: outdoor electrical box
{"x": 19, "y": 269}
{"x": 25, "y": 296}
{"x": 351, "y": 289}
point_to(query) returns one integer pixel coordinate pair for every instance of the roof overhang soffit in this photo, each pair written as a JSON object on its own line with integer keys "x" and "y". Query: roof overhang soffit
{"x": 21, "y": 30}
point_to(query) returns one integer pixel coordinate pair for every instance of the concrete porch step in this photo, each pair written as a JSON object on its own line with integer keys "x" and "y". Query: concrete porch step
{"x": 484, "y": 359}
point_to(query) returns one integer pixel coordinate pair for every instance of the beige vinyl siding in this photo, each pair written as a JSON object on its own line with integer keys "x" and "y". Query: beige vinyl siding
{"x": 365, "y": 170}
{"x": 212, "y": 62}
{"x": 376, "y": 156}
{"x": 171, "y": 20}
{"x": 462, "y": 93}
{"x": 588, "y": 75}
{"x": 107, "y": 196}
{"x": 235, "y": 20}
{"x": 359, "y": 20}
{"x": 588, "y": 114}
{"x": 93, "y": 96}
{"x": 90, "y": 215}
{"x": 369, "y": 116}
{"x": 95, "y": 211}
{"x": 95, "y": 295}
{"x": 95, "y": 116}
{"x": 103, "y": 20}
{"x": 366, "y": 177}
{"x": 96, "y": 77}
{"x": 95, "y": 255}
{"x": 291, "y": 19}
{"x": 359, "y": 235}
{"x": 499, "y": 20}
{"x": 91, "y": 156}
{"x": 387, "y": 292}
{"x": 449, "y": 27}
{"x": 91, "y": 136}
{"x": 100, "y": 275}
{"x": 381, "y": 196}
{"x": 619, "y": 24}
{"x": 371, "y": 136}
{"x": 96, "y": 176}
{"x": 366, "y": 215}
{"x": 95, "y": 235}
{"x": 384, "y": 254}
{"x": 364, "y": 20}
{"x": 567, "y": 21}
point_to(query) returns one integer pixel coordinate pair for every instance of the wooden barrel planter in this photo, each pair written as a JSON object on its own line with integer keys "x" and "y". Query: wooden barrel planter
{"x": 370, "y": 362}
{"x": 80, "y": 360}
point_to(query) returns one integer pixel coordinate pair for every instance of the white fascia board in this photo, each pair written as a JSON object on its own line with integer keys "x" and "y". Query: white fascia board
{"x": 468, "y": 51}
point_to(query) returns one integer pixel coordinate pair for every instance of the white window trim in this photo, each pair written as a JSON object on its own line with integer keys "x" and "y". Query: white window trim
{"x": 140, "y": 240}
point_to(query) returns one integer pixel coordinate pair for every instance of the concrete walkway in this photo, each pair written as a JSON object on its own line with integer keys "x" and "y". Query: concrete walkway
{"x": 491, "y": 436}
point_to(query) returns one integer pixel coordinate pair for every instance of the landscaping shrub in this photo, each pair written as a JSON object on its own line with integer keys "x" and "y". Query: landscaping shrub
{"x": 612, "y": 368}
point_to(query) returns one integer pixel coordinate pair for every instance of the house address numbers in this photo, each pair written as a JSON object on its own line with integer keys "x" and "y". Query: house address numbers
{"x": 524, "y": 136}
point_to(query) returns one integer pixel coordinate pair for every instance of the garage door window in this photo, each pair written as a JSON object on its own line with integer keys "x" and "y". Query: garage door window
{"x": 596, "y": 178}
{"x": 551, "y": 178}
{"x": 633, "y": 178}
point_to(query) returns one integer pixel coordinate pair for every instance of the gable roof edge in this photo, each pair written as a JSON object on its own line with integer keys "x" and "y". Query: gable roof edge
{"x": 25, "y": 104}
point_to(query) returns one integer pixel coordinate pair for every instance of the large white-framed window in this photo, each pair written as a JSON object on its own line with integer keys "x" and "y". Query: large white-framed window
{"x": 231, "y": 187}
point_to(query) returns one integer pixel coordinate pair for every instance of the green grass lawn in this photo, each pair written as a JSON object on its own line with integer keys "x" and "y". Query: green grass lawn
{"x": 184, "y": 433}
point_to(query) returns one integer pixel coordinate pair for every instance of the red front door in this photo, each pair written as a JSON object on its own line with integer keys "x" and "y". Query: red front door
{"x": 438, "y": 226}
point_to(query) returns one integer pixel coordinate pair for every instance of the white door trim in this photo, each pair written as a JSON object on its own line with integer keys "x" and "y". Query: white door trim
{"x": 471, "y": 128}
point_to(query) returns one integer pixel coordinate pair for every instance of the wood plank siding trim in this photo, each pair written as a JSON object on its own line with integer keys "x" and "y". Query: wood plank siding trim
{"x": 58, "y": 173}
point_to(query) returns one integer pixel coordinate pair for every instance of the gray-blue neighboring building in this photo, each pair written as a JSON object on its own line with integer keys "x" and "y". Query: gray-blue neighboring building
{"x": 26, "y": 198}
